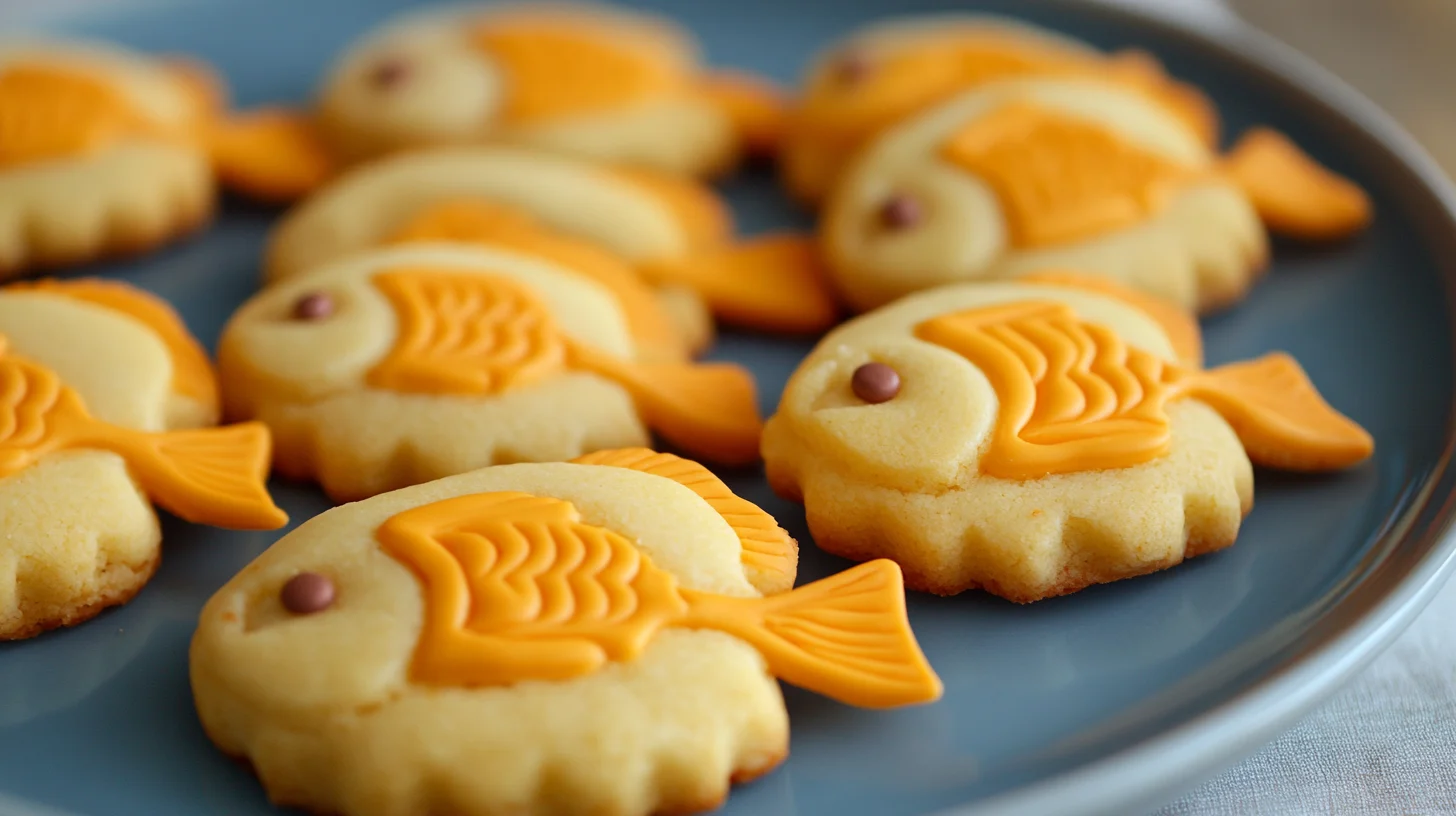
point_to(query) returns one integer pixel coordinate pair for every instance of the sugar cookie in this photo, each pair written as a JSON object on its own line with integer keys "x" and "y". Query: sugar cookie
{"x": 602, "y": 636}
{"x": 673, "y": 232}
{"x": 890, "y": 71}
{"x": 578, "y": 79}
{"x": 403, "y": 364}
{"x": 1025, "y": 174}
{"x": 1034, "y": 437}
{"x": 104, "y": 398}
{"x": 102, "y": 152}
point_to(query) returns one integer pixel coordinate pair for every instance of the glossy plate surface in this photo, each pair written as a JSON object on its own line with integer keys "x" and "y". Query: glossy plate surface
{"x": 1109, "y": 700}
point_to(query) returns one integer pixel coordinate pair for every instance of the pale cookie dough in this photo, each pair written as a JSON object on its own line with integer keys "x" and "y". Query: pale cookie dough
{"x": 579, "y": 79}
{"x": 305, "y": 357}
{"x": 1026, "y": 174}
{"x": 901, "y": 447}
{"x": 80, "y": 532}
{"x": 673, "y": 233}
{"x": 104, "y": 153}
{"x": 317, "y": 664}
{"x": 889, "y": 71}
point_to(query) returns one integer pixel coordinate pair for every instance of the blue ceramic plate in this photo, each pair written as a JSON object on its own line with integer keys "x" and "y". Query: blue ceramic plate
{"x": 1110, "y": 700}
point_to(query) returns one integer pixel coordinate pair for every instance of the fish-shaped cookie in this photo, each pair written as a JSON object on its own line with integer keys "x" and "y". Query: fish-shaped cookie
{"x": 889, "y": 71}
{"x": 578, "y": 79}
{"x": 102, "y": 152}
{"x": 1034, "y": 437}
{"x": 603, "y": 635}
{"x": 105, "y": 403}
{"x": 673, "y": 232}
{"x": 407, "y": 363}
{"x": 1081, "y": 172}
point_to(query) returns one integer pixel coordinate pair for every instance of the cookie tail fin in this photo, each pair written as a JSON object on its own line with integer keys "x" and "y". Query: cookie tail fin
{"x": 707, "y": 409}
{"x": 1280, "y": 417}
{"x": 757, "y": 109}
{"x": 214, "y": 476}
{"x": 271, "y": 154}
{"x": 774, "y": 283}
{"x": 1292, "y": 193}
{"x": 846, "y": 637}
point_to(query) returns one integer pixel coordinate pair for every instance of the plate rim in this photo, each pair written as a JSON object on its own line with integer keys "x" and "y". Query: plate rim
{"x": 1155, "y": 771}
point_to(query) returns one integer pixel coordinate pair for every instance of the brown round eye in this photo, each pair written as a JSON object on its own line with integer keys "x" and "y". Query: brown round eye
{"x": 875, "y": 383}
{"x": 851, "y": 68}
{"x": 388, "y": 73}
{"x": 307, "y": 593}
{"x": 313, "y": 306}
{"x": 901, "y": 211}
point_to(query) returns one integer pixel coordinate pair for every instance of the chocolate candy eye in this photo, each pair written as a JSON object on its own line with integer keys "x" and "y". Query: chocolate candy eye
{"x": 388, "y": 73}
{"x": 900, "y": 212}
{"x": 851, "y": 68}
{"x": 313, "y": 306}
{"x": 307, "y": 593}
{"x": 875, "y": 383}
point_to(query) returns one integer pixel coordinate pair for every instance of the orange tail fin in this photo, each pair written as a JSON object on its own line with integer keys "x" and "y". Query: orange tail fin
{"x": 1292, "y": 193}
{"x": 774, "y": 283}
{"x": 758, "y": 110}
{"x": 709, "y": 410}
{"x": 1280, "y": 417}
{"x": 211, "y": 476}
{"x": 846, "y": 637}
{"x": 272, "y": 155}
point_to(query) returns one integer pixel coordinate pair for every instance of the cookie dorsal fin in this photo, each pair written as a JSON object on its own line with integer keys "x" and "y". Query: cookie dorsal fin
{"x": 1180, "y": 327}
{"x": 770, "y": 554}
{"x": 192, "y": 373}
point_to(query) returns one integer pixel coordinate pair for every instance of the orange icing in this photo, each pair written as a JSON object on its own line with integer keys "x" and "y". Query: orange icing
{"x": 701, "y": 215}
{"x": 771, "y": 282}
{"x": 518, "y": 587}
{"x": 192, "y": 373}
{"x": 770, "y": 554}
{"x": 482, "y": 334}
{"x": 209, "y": 476}
{"x": 554, "y": 68}
{"x": 757, "y": 108}
{"x": 50, "y": 113}
{"x": 1060, "y": 178}
{"x": 270, "y": 154}
{"x": 1292, "y": 193}
{"x": 1177, "y": 324}
{"x": 482, "y": 222}
{"x": 1074, "y": 397}
{"x": 901, "y": 83}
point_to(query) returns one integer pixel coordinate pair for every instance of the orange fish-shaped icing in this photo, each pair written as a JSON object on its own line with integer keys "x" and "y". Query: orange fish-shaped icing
{"x": 482, "y": 222}
{"x": 477, "y": 334}
{"x": 553, "y": 67}
{"x": 210, "y": 476}
{"x": 1075, "y": 397}
{"x": 517, "y": 587}
{"x": 774, "y": 282}
{"x": 47, "y": 112}
{"x": 1063, "y": 178}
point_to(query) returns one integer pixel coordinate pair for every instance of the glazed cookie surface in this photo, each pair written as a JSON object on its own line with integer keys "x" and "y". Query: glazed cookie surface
{"x": 1026, "y": 174}
{"x": 673, "y": 233}
{"x": 409, "y": 363}
{"x": 626, "y": 664}
{"x": 890, "y": 71}
{"x": 1033, "y": 438}
{"x": 102, "y": 389}
{"x": 579, "y": 79}
{"x": 104, "y": 152}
